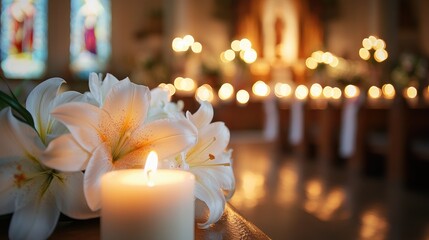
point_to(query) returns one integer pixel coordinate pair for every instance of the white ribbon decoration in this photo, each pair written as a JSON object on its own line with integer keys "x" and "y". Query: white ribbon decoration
{"x": 348, "y": 126}
{"x": 271, "y": 124}
{"x": 296, "y": 122}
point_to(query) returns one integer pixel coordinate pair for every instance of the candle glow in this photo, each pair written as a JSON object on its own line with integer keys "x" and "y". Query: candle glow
{"x": 364, "y": 54}
{"x": 316, "y": 90}
{"x": 311, "y": 63}
{"x": 242, "y": 96}
{"x": 137, "y": 203}
{"x": 249, "y": 56}
{"x": 320, "y": 57}
{"x": 260, "y": 89}
{"x": 282, "y": 90}
{"x": 204, "y": 93}
{"x": 183, "y": 44}
{"x": 373, "y": 43}
{"x": 388, "y": 91}
{"x": 229, "y": 55}
{"x": 150, "y": 167}
{"x": 188, "y": 40}
{"x": 245, "y": 44}
{"x": 301, "y": 92}
{"x": 410, "y": 92}
{"x": 327, "y": 92}
{"x": 169, "y": 87}
{"x": 196, "y": 47}
{"x": 374, "y": 92}
{"x": 351, "y": 91}
{"x": 336, "y": 93}
{"x": 184, "y": 84}
{"x": 226, "y": 91}
{"x": 235, "y": 45}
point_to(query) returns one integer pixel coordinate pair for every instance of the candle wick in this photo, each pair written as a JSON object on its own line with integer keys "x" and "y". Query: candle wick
{"x": 149, "y": 174}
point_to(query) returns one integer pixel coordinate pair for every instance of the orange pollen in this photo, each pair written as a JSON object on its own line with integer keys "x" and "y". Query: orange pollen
{"x": 211, "y": 156}
{"x": 103, "y": 138}
{"x": 19, "y": 179}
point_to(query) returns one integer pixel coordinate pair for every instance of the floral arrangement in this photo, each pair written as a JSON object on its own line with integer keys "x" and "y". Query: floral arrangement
{"x": 410, "y": 70}
{"x": 55, "y": 149}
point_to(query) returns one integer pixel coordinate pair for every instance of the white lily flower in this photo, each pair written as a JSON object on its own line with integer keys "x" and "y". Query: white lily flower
{"x": 34, "y": 193}
{"x": 210, "y": 164}
{"x": 117, "y": 135}
{"x": 161, "y": 106}
{"x": 40, "y": 102}
{"x": 99, "y": 88}
{"x": 61, "y": 144}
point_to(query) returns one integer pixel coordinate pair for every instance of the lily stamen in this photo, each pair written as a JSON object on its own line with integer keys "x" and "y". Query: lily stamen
{"x": 192, "y": 153}
{"x": 117, "y": 153}
{"x": 211, "y": 165}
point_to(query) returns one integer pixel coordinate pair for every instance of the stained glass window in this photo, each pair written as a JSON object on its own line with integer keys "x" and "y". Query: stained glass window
{"x": 23, "y": 43}
{"x": 90, "y": 36}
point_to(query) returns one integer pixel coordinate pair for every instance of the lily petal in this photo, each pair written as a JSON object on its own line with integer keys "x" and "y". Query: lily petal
{"x": 7, "y": 200}
{"x": 134, "y": 159}
{"x": 38, "y": 101}
{"x": 70, "y": 198}
{"x": 65, "y": 154}
{"x": 213, "y": 139}
{"x": 127, "y": 103}
{"x": 36, "y": 220}
{"x": 226, "y": 176}
{"x": 169, "y": 110}
{"x": 18, "y": 138}
{"x": 82, "y": 119}
{"x": 203, "y": 116}
{"x": 54, "y": 127}
{"x": 107, "y": 84}
{"x": 30, "y": 191}
{"x": 7, "y": 189}
{"x": 223, "y": 175}
{"x": 95, "y": 87}
{"x": 166, "y": 137}
{"x": 212, "y": 196}
{"x": 99, "y": 164}
{"x": 69, "y": 96}
{"x": 159, "y": 96}
{"x": 155, "y": 113}
{"x": 99, "y": 88}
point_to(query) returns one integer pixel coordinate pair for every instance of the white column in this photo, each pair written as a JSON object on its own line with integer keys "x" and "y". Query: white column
{"x": 178, "y": 18}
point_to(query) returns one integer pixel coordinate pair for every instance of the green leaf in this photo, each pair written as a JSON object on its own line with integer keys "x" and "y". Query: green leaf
{"x": 24, "y": 112}
{"x": 3, "y": 105}
{"x": 12, "y": 101}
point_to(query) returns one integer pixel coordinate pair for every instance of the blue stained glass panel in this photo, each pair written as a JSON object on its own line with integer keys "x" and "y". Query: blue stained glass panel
{"x": 23, "y": 43}
{"x": 90, "y": 36}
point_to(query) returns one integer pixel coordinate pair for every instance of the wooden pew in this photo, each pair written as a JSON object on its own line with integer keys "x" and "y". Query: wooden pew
{"x": 328, "y": 138}
{"x": 235, "y": 117}
{"x": 371, "y": 141}
{"x": 320, "y": 133}
{"x": 415, "y": 141}
{"x": 394, "y": 143}
{"x": 284, "y": 123}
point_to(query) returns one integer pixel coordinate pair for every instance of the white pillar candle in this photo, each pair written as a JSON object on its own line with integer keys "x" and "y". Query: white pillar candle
{"x": 135, "y": 207}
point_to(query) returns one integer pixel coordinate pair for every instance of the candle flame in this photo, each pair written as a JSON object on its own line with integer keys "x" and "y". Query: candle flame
{"x": 151, "y": 167}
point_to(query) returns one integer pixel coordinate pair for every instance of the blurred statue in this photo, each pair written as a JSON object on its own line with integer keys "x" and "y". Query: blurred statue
{"x": 22, "y": 24}
{"x": 280, "y": 23}
{"x": 90, "y": 36}
{"x": 90, "y": 11}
